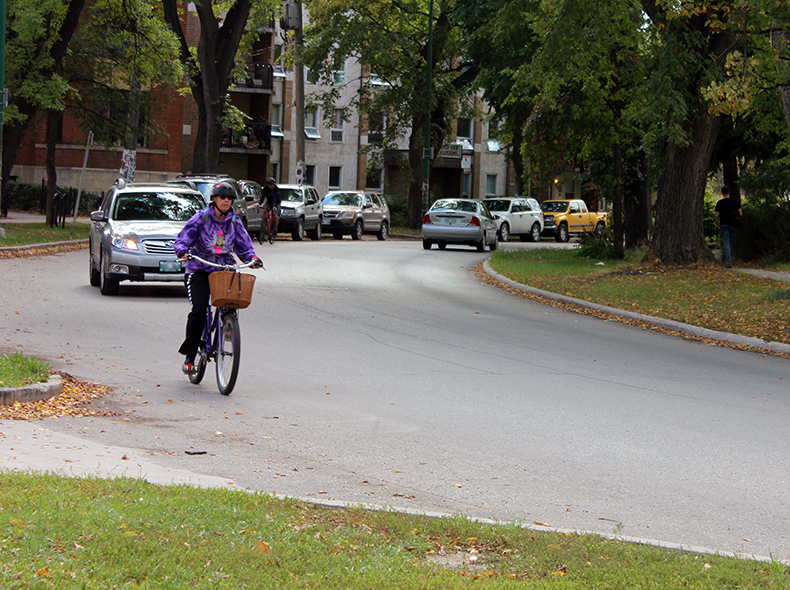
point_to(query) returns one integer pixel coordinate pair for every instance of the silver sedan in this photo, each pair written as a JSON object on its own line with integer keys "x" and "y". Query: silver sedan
{"x": 459, "y": 221}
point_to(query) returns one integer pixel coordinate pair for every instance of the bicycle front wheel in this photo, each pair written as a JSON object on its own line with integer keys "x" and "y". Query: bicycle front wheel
{"x": 228, "y": 353}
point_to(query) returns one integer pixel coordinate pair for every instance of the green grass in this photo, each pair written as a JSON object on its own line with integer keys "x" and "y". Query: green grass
{"x": 17, "y": 370}
{"x": 24, "y": 234}
{"x": 707, "y": 296}
{"x": 126, "y": 533}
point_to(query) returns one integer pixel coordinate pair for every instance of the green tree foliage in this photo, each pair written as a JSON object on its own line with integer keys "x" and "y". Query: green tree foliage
{"x": 390, "y": 40}
{"x": 225, "y": 27}
{"x": 38, "y": 33}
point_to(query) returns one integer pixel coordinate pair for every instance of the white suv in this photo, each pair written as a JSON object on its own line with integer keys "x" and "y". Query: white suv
{"x": 520, "y": 216}
{"x": 301, "y": 211}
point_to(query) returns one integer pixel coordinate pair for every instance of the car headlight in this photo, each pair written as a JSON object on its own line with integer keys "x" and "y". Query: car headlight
{"x": 123, "y": 242}
{"x": 289, "y": 212}
{"x": 346, "y": 214}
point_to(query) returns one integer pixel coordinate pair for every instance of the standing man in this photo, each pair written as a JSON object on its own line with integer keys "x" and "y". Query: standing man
{"x": 728, "y": 212}
{"x": 271, "y": 195}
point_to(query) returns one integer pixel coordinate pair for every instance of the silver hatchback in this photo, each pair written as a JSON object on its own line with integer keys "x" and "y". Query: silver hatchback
{"x": 132, "y": 234}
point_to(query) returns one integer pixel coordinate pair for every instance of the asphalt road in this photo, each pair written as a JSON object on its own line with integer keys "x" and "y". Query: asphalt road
{"x": 377, "y": 372}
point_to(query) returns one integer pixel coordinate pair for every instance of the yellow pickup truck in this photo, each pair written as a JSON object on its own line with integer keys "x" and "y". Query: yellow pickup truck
{"x": 561, "y": 218}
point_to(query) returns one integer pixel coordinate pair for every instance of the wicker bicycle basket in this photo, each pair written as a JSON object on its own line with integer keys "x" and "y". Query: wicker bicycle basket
{"x": 231, "y": 289}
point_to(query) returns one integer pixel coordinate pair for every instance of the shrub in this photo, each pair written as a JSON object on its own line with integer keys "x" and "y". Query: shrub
{"x": 597, "y": 248}
{"x": 765, "y": 234}
{"x": 28, "y": 196}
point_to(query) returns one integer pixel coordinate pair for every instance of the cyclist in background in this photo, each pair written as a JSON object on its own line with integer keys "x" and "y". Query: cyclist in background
{"x": 213, "y": 234}
{"x": 271, "y": 195}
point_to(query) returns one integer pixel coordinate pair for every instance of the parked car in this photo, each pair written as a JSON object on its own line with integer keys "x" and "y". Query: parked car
{"x": 570, "y": 216}
{"x": 356, "y": 213}
{"x": 205, "y": 182}
{"x": 132, "y": 233}
{"x": 517, "y": 216}
{"x": 301, "y": 211}
{"x": 459, "y": 221}
{"x": 251, "y": 216}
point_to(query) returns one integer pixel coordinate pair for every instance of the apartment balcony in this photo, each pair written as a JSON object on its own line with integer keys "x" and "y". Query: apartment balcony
{"x": 253, "y": 139}
{"x": 260, "y": 79}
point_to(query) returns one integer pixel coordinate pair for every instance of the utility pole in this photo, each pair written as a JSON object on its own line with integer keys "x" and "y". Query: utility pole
{"x": 3, "y": 103}
{"x": 426, "y": 173}
{"x": 298, "y": 96}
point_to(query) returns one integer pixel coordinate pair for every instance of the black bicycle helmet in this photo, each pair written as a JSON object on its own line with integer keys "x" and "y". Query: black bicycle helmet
{"x": 223, "y": 189}
{"x": 270, "y": 180}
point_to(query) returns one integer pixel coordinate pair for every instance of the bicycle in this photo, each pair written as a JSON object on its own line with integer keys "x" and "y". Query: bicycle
{"x": 221, "y": 339}
{"x": 265, "y": 233}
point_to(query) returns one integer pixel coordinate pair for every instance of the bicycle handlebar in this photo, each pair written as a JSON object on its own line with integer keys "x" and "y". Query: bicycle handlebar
{"x": 249, "y": 264}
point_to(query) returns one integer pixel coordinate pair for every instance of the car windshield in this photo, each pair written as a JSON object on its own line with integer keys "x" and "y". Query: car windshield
{"x": 453, "y": 205}
{"x": 291, "y": 195}
{"x": 158, "y": 206}
{"x": 498, "y": 204}
{"x": 343, "y": 200}
{"x": 554, "y": 206}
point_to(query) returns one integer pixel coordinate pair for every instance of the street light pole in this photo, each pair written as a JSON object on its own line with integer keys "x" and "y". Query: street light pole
{"x": 426, "y": 168}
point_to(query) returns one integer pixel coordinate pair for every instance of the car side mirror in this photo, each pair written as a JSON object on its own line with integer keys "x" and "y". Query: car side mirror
{"x": 98, "y": 216}
{"x": 310, "y": 202}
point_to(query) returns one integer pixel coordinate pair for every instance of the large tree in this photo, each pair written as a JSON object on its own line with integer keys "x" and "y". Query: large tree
{"x": 692, "y": 45}
{"x": 210, "y": 66}
{"x": 390, "y": 40}
{"x": 37, "y": 41}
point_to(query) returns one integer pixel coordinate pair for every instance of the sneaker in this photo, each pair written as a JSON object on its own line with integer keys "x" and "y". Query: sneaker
{"x": 188, "y": 368}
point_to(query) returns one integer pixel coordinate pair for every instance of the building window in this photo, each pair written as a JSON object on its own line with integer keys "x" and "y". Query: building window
{"x": 374, "y": 178}
{"x": 276, "y": 170}
{"x": 377, "y": 125}
{"x": 275, "y": 118}
{"x": 311, "y": 125}
{"x": 279, "y": 69}
{"x": 309, "y": 174}
{"x": 336, "y": 134}
{"x": 466, "y": 189}
{"x": 491, "y": 185}
{"x": 335, "y": 177}
{"x": 464, "y": 129}
{"x": 339, "y": 76}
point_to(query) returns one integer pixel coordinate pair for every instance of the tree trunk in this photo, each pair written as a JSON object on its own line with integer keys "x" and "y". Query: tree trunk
{"x": 636, "y": 205}
{"x": 780, "y": 39}
{"x": 617, "y": 206}
{"x": 416, "y": 143}
{"x": 679, "y": 237}
{"x": 52, "y": 174}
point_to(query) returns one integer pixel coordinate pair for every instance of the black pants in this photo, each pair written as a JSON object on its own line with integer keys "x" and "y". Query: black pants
{"x": 199, "y": 294}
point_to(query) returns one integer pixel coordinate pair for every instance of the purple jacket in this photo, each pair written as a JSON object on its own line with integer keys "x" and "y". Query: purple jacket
{"x": 201, "y": 236}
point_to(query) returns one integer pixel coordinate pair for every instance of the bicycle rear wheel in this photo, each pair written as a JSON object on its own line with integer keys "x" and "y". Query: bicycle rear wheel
{"x": 200, "y": 368}
{"x": 228, "y": 353}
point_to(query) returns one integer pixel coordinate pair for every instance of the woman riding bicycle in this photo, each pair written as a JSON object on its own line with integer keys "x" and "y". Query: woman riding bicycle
{"x": 213, "y": 234}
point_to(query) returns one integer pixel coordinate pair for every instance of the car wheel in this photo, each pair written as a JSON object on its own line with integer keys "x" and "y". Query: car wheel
{"x": 481, "y": 245}
{"x": 562, "y": 234}
{"x": 426, "y": 244}
{"x": 495, "y": 244}
{"x": 315, "y": 234}
{"x": 534, "y": 233}
{"x": 298, "y": 233}
{"x": 504, "y": 232}
{"x": 107, "y": 286}
{"x": 599, "y": 229}
{"x": 384, "y": 232}
{"x": 93, "y": 274}
{"x": 337, "y": 236}
{"x": 442, "y": 245}
{"x": 356, "y": 234}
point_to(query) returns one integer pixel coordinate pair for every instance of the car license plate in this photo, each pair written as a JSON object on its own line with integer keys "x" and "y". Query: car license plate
{"x": 169, "y": 266}
{"x": 325, "y": 222}
{"x": 452, "y": 221}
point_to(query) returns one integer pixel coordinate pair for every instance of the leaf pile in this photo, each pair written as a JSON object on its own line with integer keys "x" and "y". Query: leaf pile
{"x": 73, "y": 401}
{"x": 27, "y": 252}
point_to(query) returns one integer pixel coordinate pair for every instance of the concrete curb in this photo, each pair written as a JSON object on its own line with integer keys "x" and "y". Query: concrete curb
{"x": 658, "y": 322}
{"x": 42, "y": 246}
{"x": 32, "y": 393}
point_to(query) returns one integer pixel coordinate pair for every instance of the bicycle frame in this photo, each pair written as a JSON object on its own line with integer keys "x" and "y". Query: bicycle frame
{"x": 220, "y": 341}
